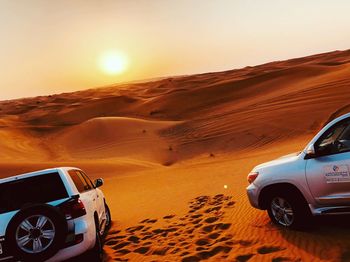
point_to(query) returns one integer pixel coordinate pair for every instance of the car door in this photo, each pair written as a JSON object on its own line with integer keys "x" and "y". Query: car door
{"x": 99, "y": 200}
{"x": 327, "y": 173}
{"x": 86, "y": 191}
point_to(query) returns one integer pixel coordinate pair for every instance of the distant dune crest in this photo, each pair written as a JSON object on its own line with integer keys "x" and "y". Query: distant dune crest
{"x": 168, "y": 120}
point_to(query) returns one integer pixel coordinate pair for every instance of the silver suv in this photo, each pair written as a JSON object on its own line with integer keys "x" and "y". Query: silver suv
{"x": 313, "y": 182}
{"x": 53, "y": 215}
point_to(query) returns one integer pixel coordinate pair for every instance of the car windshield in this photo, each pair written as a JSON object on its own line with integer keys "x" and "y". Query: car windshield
{"x": 32, "y": 190}
{"x": 332, "y": 135}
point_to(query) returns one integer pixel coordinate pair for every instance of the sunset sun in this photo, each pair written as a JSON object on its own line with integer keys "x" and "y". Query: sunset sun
{"x": 113, "y": 62}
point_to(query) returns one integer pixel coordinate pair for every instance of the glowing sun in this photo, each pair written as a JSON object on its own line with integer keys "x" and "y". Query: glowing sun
{"x": 113, "y": 62}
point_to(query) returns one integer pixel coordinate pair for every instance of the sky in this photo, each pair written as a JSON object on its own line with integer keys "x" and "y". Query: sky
{"x": 49, "y": 47}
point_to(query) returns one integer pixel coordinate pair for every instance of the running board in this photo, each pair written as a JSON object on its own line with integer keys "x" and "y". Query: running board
{"x": 340, "y": 210}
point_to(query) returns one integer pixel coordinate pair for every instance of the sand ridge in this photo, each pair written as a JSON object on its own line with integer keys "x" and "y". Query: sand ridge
{"x": 175, "y": 153}
{"x": 211, "y": 113}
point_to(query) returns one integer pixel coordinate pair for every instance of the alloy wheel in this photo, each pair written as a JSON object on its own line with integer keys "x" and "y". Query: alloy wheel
{"x": 35, "y": 234}
{"x": 282, "y": 211}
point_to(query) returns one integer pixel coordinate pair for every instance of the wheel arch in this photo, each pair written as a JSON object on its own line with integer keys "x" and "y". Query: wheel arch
{"x": 96, "y": 219}
{"x": 271, "y": 189}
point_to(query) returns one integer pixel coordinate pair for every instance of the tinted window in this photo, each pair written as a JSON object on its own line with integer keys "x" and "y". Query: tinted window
{"x": 39, "y": 189}
{"x": 87, "y": 179}
{"x": 79, "y": 181}
{"x": 335, "y": 140}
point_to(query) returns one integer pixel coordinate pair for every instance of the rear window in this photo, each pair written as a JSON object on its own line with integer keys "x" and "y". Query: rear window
{"x": 33, "y": 190}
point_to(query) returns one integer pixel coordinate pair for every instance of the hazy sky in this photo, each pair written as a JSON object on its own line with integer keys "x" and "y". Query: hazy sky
{"x": 55, "y": 46}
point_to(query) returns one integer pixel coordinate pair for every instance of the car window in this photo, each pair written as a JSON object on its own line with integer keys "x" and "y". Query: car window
{"x": 79, "y": 181}
{"x": 32, "y": 190}
{"x": 335, "y": 140}
{"x": 87, "y": 179}
{"x": 345, "y": 135}
{"x": 343, "y": 141}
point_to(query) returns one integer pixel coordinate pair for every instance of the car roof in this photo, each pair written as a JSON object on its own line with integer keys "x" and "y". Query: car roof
{"x": 35, "y": 173}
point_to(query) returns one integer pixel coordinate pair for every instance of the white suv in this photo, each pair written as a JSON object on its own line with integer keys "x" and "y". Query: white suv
{"x": 52, "y": 215}
{"x": 313, "y": 182}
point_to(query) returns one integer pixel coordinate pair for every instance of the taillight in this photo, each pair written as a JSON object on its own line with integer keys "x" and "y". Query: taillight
{"x": 252, "y": 176}
{"x": 73, "y": 208}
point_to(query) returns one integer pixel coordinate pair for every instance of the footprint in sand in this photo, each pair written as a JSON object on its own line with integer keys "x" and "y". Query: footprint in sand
{"x": 196, "y": 216}
{"x": 212, "y": 209}
{"x": 202, "y": 242}
{"x": 160, "y": 251}
{"x": 230, "y": 204}
{"x": 198, "y": 235}
{"x": 134, "y": 239}
{"x": 220, "y": 226}
{"x": 244, "y": 258}
{"x": 149, "y": 221}
{"x": 133, "y": 229}
{"x": 269, "y": 249}
{"x": 121, "y": 245}
{"x": 195, "y": 222}
{"x": 113, "y": 232}
{"x": 176, "y": 250}
{"x": 214, "y": 235}
{"x": 142, "y": 250}
{"x": 283, "y": 259}
{"x": 211, "y": 220}
{"x": 208, "y": 229}
{"x": 191, "y": 259}
{"x": 169, "y": 217}
{"x": 216, "y": 250}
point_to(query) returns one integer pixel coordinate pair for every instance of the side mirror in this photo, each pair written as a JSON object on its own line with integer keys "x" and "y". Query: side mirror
{"x": 310, "y": 152}
{"x": 98, "y": 182}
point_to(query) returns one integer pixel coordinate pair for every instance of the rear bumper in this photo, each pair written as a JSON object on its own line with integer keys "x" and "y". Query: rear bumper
{"x": 81, "y": 228}
{"x": 253, "y": 195}
{"x": 72, "y": 251}
{"x": 4, "y": 256}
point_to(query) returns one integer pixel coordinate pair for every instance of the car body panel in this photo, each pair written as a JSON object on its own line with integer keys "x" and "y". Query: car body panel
{"x": 308, "y": 174}
{"x": 93, "y": 200}
{"x": 82, "y": 226}
{"x": 288, "y": 169}
{"x": 101, "y": 209}
{"x": 322, "y": 188}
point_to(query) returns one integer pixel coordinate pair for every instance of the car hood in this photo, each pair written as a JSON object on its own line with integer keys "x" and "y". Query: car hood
{"x": 279, "y": 161}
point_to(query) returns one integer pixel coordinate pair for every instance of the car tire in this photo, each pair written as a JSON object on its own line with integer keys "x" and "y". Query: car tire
{"x": 36, "y": 233}
{"x": 96, "y": 253}
{"x": 289, "y": 209}
{"x": 108, "y": 218}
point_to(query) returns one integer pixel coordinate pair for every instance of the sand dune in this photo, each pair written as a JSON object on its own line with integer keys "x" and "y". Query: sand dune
{"x": 108, "y": 137}
{"x": 217, "y": 112}
{"x": 167, "y": 147}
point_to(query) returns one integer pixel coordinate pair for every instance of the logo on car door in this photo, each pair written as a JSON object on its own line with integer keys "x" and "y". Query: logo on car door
{"x": 337, "y": 174}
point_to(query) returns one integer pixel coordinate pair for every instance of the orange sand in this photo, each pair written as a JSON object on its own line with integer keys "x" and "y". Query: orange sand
{"x": 167, "y": 148}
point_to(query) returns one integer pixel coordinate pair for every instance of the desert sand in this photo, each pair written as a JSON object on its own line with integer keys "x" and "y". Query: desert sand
{"x": 175, "y": 153}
